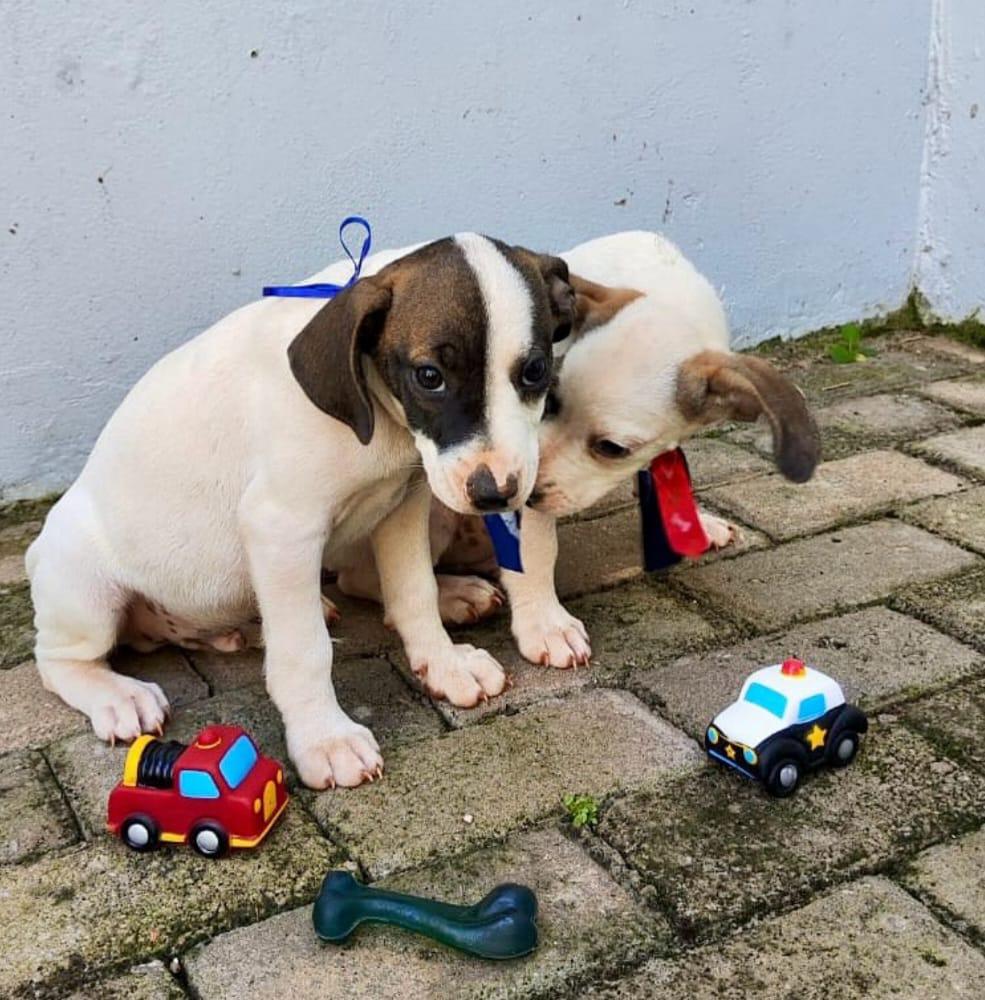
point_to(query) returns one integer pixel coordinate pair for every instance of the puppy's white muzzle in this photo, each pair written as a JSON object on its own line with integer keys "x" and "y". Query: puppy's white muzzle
{"x": 480, "y": 480}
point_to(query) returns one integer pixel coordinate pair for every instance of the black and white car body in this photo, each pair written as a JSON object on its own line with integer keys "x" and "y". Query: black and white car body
{"x": 789, "y": 719}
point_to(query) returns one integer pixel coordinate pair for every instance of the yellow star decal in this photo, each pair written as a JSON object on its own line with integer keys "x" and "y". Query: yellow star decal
{"x": 730, "y": 752}
{"x": 816, "y": 737}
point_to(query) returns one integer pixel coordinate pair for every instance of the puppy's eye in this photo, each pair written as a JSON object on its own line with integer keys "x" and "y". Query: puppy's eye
{"x": 534, "y": 372}
{"x": 429, "y": 378}
{"x": 609, "y": 449}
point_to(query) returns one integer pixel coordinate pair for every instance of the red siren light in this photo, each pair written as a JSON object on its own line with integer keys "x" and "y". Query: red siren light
{"x": 792, "y": 667}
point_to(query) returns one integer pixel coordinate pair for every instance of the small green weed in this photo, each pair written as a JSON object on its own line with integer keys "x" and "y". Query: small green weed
{"x": 583, "y": 810}
{"x": 849, "y": 349}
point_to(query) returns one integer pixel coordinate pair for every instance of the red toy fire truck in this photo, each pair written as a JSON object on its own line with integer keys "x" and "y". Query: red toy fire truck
{"x": 218, "y": 793}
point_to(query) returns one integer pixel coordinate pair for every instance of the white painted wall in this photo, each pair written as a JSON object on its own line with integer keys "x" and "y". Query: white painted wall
{"x": 950, "y": 259}
{"x": 154, "y": 173}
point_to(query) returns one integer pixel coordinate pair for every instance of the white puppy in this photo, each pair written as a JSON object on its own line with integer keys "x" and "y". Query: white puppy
{"x": 648, "y": 365}
{"x": 291, "y": 428}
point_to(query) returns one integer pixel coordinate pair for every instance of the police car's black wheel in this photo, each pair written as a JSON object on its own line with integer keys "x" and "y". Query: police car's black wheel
{"x": 140, "y": 833}
{"x": 210, "y": 840}
{"x": 784, "y": 777}
{"x": 843, "y": 749}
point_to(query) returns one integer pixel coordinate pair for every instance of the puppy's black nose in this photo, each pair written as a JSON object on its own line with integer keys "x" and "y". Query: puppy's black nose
{"x": 485, "y": 493}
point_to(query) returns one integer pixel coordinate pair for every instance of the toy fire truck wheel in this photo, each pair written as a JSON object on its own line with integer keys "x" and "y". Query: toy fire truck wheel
{"x": 784, "y": 777}
{"x": 210, "y": 840}
{"x": 140, "y": 833}
{"x": 843, "y": 749}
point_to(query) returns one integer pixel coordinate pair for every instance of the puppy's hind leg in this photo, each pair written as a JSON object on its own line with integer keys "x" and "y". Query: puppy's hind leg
{"x": 77, "y": 615}
{"x": 357, "y": 575}
{"x": 464, "y": 600}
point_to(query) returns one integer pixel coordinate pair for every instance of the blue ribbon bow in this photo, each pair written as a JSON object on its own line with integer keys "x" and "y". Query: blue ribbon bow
{"x": 326, "y": 290}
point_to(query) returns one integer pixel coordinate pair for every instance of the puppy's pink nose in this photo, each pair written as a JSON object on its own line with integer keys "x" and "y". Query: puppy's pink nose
{"x": 485, "y": 493}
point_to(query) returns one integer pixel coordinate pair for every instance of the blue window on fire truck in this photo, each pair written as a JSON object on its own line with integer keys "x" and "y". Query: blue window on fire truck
{"x": 811, "y": 708}
{"x": 238, "y": 761}
{"x": 197, "y": 785}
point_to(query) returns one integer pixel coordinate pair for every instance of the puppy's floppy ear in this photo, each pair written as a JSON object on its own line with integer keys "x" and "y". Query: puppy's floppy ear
{"x": 326, "y": 357}
{"x": 596, "y": 304}
{"x": 713, "y": 386}
{"x": 560, "y": 294}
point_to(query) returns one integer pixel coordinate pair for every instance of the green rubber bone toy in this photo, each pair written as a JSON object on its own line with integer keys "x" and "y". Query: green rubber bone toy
{"x": 501, "y": 925}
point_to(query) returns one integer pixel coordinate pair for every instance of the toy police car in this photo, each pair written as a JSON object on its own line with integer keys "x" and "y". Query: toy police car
{"x": 790, "y": 718}
{"x": 218, "y": 793}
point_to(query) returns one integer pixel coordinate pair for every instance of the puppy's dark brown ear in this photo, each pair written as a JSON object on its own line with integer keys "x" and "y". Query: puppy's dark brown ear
{"x": 714, "y": 386}
{"x": 326, "y": 357}
{"x": 596, "y": 304}
{"x": 560, "y": 294}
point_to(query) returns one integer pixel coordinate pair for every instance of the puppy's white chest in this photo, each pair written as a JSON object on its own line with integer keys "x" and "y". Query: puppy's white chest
{"x": 364, "y": 509}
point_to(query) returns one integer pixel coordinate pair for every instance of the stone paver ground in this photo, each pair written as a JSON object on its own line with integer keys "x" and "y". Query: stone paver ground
{"x": 692, "y": 882}
{"x": 960, "y": 518}
{"x": 964, "y": 450}
{"x": 867, "y": 939}
{"x": 967, "y": 395}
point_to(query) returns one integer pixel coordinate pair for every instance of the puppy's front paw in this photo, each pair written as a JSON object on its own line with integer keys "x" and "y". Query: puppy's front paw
{"x": 121, "y": 708}
{"x": 552, "y": 639}
{"x": 721, "y": 533}
{"x": 346, "y": 754}
{"x": 464, "y": 600}
{"x": 462, "y": 674}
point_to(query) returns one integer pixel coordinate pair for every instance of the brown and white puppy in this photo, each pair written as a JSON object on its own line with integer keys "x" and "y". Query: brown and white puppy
{"x": 290, "y": 429}
{"x": 648, "y": 366}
